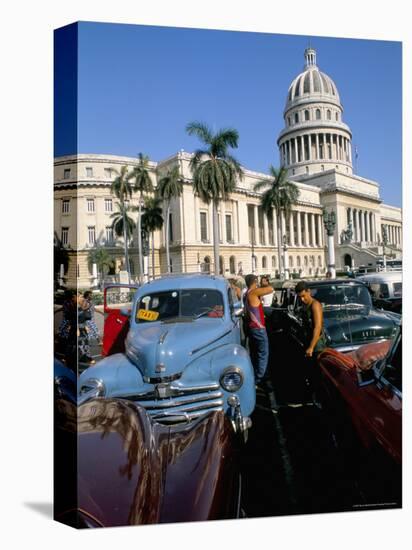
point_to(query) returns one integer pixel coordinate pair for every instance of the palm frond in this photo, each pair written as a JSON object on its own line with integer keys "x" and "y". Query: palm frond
{"x": 201, "y": 130}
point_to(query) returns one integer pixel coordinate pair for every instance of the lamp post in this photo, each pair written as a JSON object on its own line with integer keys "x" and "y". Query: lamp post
{"x": 329, "y": 221}
{"x": 285, "y": 257}
{"x": 253, "y": 251}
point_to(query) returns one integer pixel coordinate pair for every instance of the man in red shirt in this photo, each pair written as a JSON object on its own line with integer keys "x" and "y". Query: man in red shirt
{"x": 255, "y": 325}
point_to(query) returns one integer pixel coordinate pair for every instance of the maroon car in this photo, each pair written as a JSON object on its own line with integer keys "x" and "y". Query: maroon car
{"x": 134, "y": 471}
{"x": 361, "y": 393}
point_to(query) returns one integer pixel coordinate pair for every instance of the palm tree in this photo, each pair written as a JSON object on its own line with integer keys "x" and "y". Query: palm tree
{"x": 101, "y": 257}
{"x": 143, "y": 184}
{"x": 169, "y": 187}
{"x": 123, "y": 226}
{"x": 281, "y": 195}
{"x": 152, "y": 219}
{"x": 122, "y": 190}
{"x": 214, "y": 170}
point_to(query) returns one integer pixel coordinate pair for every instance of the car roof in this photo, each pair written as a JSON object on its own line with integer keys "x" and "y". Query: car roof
{"x": 391, "y": 276}
{"x": 177, "y": 282}
{"x": 312, "y": 283}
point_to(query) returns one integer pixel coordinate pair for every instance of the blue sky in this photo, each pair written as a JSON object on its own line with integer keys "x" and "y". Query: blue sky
{"x": 138, "y": 86}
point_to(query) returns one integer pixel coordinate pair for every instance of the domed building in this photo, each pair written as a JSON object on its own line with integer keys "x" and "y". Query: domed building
{"x": 316, "y": 148}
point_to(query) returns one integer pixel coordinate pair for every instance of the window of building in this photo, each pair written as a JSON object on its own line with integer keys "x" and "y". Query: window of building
{"x": 109, "y": 234}
{"x": 290, "y": 261}
{"x": 89, "y": 172}
{"x": 296, "y": 118}
{"x": 264, "y": 262}
{"x": 319, "y": 261}
{"x": 108, "y": 172}
{"x": 273, "y": 261}
{"x": 229, "y": 235}
{"x": 305, "y": 261}
{"x": 298, "y": 261}
{"x": 289, "y": 121}
{"x": 65, "y": 206}
{"x": 203, "y": 226}
{"x": 317, "y": 114}
{"x": 307, "y": 169}
{"x": 67, "y": 173}
{"x": 108, "y": 205}
{"x": 90, "y": 205}
{"x": 232, "y": 264}
{"x": 328, "y": 114}
{"x": 91, "y": 232}
{"x": 251, "y": 223}
{"x": 170, "y": 227}
{"x": 65, "y": 236}
{"x": 306, "y": 115}
{"x": 337, "y": 116}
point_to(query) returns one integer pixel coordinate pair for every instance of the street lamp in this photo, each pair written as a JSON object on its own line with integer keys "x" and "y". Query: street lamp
{"x": 253, "y": 251}
{"x": 329, "y": 221}
{"x": 285, "y": 256}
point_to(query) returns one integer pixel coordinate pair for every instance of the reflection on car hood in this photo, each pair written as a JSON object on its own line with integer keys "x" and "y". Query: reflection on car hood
{"x": 346, "y": 326}
{"x": 133, "y": 471}
{"x": 164, "y": 349}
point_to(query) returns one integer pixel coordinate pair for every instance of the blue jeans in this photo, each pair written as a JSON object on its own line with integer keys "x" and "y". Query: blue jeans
{"x": 259, "y": 351}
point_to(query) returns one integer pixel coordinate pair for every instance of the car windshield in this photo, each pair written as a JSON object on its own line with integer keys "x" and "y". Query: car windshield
{"x": 184, "y": 305}
{"x": 342, "y": 295}
{"x": 397, "y": 290}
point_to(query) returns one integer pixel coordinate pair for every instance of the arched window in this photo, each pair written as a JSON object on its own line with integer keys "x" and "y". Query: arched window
{"x": 296, "y": 118}
{"x": 254, "y": 263}
{"x": 312, "y": 260}
{"x": 306, "y": 114}
{"x": 319, "y": 261}
{"x": 290, "y": 261}
{"x": 232, "y": 264}
{"x": 289, "y": 121}
{"x": 337, "y": 116}
{"x": 317, "y": 114}
{"x": 273, "y": 261}
{"x": 305, "y": 261}
{"x": 298, "y": 261}
{"x": 264, "y": 262}
{"x": 328, "y": 114}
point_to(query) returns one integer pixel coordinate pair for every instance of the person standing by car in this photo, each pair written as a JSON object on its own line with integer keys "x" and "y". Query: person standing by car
{"x": 255, "y": 325}
{"x": 266, "y": 299}
{"x": 312, "y": 317}
{"x": 88, "y": 305}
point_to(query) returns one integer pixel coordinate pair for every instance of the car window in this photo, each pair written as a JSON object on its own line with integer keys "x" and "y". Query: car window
{"x": 397, "y": 290}
{"x": 160, "y": 306}
{"x": 383, "y": 291}
{"x": 342, "y": 294}
{"x": 392, "y": 371}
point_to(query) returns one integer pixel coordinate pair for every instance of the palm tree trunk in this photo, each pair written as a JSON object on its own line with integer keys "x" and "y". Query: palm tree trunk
{"x": 139, "y": 241}
{"x": 126, "y": 252}
{"x": 216, "y": 237}
{"x": 279, "y": 221}
{"x": 153, "y": 256}
{"x": 167, "y": 237}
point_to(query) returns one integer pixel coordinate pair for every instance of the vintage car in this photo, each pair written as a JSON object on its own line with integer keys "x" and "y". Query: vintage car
{"x": 386, "y": 289}
{"x": 175, "y": 351}
{"x": 350, "y": 319}
{"x": 361, "y": 393}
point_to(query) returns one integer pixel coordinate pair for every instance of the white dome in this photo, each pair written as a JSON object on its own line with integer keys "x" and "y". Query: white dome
{"x": 312, "y": 84}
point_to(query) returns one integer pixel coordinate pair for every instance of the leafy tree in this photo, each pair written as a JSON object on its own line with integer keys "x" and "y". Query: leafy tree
{"x": 280, "y": 194}
{"x": 123, "y": 226}
{"x": 152, "y": 219}
{"x": 122, "y": 189}
{"x": 101, "y": 257}
{"x": 214, "y": 171}
{"x": 169, "y": 187}
{"x": 142, "y": 184}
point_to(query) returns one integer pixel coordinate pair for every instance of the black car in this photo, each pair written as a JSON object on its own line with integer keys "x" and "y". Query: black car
{"x": 350, "y": 319}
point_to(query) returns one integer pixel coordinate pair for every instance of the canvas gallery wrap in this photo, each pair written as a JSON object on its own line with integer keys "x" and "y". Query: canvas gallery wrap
{"x": 227, "y": 275}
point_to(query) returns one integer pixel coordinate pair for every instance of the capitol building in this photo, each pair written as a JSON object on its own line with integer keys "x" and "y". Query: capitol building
{"x": 315, "y": 146}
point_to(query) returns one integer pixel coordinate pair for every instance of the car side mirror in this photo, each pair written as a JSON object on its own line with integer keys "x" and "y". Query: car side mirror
{"x": 237, "y": 310}
{"x": 125, "y": 311}
{"x": 365, "y": 377}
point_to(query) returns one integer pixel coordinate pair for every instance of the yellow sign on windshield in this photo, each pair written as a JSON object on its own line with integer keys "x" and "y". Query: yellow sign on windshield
{"x": 147, "y": 314}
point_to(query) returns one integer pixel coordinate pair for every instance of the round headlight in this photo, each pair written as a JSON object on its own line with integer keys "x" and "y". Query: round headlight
{"x": 231, "y": 379}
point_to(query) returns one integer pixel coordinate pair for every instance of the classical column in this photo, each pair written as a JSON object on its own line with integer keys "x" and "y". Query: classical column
{"x": 275, "y": 228}
{"x": 317, "y": 146}
{"x": 265, "y": 227}
{"x": 312, "y": 223}
{"x": 256, "y": 219}
{"x": 365, "y": 226}
{"x": 319, "y": 218}
{"x": 299, "y": 229}
{"x": 374, "y": 236}
{"x": 295, "y": 144}
{"x": 288, "y": 152}
{"x": 291, "y": 232}
{"x": 310, "y": 146}
{"x": 362, "y": 225}
{"x": 282, "y": 224}
{"x": 325, "y": 152}
{"x": 306, "y": 229}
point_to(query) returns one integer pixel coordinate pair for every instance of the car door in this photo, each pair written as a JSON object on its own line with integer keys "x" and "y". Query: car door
{"x": 118, "y": 301}
{"x": 295, "y": 319}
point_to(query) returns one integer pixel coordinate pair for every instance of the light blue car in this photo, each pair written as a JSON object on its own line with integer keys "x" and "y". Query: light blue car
{"x": 183, "y": 356}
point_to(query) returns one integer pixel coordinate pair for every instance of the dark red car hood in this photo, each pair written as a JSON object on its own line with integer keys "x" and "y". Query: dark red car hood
{"x": 134, "y": 471}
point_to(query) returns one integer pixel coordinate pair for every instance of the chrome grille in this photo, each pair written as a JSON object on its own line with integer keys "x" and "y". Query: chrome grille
{"x": 169, "y": 404}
